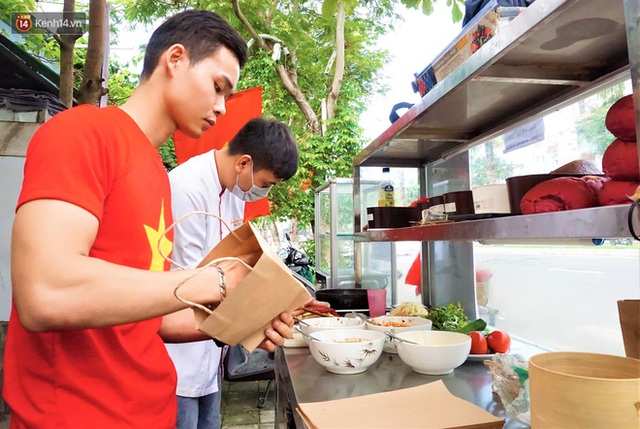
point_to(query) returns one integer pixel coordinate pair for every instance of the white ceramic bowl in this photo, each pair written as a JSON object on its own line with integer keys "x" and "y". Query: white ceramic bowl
{"x": 347, "y": 351}
{"x": 317, "y": 324}
{"x": 395, "y": 325}
{"x": 439, "y": 352}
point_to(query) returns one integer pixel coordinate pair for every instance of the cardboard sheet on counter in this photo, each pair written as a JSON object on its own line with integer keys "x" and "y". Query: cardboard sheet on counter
{"x": 430, "y": 405}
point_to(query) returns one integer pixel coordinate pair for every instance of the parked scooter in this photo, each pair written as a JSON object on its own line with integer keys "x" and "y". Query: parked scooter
{"x": 299, "y": 263}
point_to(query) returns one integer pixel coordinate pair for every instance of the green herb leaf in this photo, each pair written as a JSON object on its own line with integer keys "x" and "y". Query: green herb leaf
{"x": 448, "y": 317}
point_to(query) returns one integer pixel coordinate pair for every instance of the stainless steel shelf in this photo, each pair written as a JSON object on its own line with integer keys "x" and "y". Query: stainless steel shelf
{"x": 554, "y": 53}
{"x": 599, "y": 222}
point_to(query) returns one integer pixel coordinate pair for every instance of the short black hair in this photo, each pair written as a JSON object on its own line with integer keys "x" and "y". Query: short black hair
{"x": 201, "y": 32}
{"x": 270, "y": 144}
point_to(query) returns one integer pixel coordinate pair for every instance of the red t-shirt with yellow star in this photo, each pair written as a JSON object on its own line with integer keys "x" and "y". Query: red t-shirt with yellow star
{"x": 119, "y": 377}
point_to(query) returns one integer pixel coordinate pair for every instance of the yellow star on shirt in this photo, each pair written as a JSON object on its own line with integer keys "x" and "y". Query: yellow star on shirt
{"x": 156, "y": 242}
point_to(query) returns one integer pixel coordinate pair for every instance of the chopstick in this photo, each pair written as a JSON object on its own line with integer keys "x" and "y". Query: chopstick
{"x": 390, "y": 335}
{"x": 317, "y": 313}
{"x": 309, "y": 336}
{"x": 299, "y": 320}
{"x": 365, "y": 318}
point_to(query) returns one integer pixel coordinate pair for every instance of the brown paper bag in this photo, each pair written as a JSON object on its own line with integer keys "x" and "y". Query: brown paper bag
{"x": 629, "y": 312}
{"x": 268, "y": 290}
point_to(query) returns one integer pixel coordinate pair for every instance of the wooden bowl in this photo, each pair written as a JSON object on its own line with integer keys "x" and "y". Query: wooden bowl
{"x": 584, "y": 390}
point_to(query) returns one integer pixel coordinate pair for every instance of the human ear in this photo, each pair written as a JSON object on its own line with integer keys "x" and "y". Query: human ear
{"x": 244, "y": 160}
{"x": 175, "y": 57}
{"x": 241, "y": 163}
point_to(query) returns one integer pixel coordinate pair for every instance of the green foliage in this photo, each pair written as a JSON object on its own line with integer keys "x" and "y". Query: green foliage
{"x": 43, "y": 47}
{"x": 487, "y": 168}
{"x": 168, "y": 154}
{"x": 426, "y": 6}
{"x": 329, "y": 7}
{"x": 448, "y": 317}
{"x": 121, "y": 81}
{"x": 591, "y": 130}
{"x": 309, "y": 36}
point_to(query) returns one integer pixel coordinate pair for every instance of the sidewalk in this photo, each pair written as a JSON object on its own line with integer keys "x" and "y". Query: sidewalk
{"x": 239, "y": 407}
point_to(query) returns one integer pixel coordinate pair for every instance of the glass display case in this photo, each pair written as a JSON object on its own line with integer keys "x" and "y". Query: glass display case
{"x": 334, "y": 230}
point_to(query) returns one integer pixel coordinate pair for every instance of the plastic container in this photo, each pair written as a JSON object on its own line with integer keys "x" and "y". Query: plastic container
{"x": 386, "y": 196}
{"x": 458, "y": 203}
{"x": 377, "y": 299}
{"x": 436, "y": 203}
{"x": 584, "y": 390}
{"x": 392, "y": 217}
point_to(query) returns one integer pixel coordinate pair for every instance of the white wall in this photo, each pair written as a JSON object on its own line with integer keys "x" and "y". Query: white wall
{"x": 11, "y": 169}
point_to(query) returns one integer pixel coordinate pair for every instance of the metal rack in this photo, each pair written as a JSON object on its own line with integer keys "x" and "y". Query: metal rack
{"x": 599, "y": 222}
{"x": 552, "y": 55}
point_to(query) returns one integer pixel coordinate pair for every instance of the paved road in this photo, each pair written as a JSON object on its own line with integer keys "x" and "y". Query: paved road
{"x": 558, "y": 297}
{"x": 563, "y": 298}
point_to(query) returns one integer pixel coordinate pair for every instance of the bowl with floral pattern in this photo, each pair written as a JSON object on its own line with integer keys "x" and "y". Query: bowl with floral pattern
{"x": 317, "y": 324}
{"x": 346, "y": 351}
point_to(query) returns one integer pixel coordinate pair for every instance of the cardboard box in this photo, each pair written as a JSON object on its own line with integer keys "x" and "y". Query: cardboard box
{"x": 473, "y": 36}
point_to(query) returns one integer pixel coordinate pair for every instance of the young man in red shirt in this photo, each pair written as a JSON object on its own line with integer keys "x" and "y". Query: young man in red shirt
{"x": 85, "y": 340}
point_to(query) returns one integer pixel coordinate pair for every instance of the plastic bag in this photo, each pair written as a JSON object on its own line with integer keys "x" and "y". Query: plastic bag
{"x": 510, "y": 380}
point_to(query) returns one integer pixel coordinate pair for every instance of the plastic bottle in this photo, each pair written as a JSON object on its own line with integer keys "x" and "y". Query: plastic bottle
{"x": 385, "y": 190}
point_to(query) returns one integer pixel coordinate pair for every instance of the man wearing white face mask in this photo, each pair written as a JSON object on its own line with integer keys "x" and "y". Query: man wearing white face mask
{"x": 263, "y": 153}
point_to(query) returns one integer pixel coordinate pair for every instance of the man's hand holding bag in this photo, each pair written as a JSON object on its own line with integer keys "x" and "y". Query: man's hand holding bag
{"x": 268, "y": 290}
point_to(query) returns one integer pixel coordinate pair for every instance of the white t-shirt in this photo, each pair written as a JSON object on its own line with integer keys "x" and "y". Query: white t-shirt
{"x": 195, "y": 186}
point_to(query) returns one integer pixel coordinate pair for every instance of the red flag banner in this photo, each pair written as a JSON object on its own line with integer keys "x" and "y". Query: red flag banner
{"x": 242, "y": 107}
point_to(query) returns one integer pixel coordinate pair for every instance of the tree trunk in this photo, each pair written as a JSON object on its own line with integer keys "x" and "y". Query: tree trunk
{"x": 491, "y": 163}
{"x": 91, "y": 88}
{"x": 269, "y": 231}
{"x": 332, "y": 98}
{"x": 67, "y": 44}
{"x": 287, "y": 76}
{"x": 299, "y": 98}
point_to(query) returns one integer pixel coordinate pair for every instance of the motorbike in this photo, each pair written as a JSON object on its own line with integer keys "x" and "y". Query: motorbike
{"x": 299, "y": 263}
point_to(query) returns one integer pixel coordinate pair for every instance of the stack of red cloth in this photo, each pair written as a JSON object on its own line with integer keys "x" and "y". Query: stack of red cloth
{"x": 620, "y": 160}
{"x": 563, "y": 193}
{"x": 619, "y": 164}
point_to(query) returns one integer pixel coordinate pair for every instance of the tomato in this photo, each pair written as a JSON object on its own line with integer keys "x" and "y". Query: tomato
{"x": 499, "y": 341}
{"x": 478, "y": 343}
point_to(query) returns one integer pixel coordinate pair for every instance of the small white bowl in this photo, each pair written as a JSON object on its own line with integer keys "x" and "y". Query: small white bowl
{"x": 439, "y": 352}
{"x": 297, "y": 341}
{"x": 406, "y": 324}
{"x": 317, "y": 324}
{"x": 347, "y": 351}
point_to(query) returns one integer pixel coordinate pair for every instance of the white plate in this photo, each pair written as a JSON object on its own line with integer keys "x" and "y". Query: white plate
{"x": 487, "y": 356}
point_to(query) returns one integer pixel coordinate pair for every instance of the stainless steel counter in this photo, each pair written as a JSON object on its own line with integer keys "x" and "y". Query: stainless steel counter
{"x": 300, "y": 379}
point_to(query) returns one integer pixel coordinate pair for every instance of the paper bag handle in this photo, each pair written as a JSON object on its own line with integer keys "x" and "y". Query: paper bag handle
{"x": 204, "y": 267}
{"x": 180, "y": 219}
{"x": 198, "y": 271}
